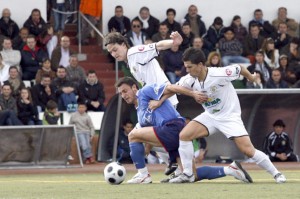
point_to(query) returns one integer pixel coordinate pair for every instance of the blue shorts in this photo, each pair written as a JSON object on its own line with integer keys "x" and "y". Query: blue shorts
{"x": 168, "y": 135}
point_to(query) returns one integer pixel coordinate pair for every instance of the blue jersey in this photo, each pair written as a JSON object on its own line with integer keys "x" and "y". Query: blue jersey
{"x": 159, "y": 116}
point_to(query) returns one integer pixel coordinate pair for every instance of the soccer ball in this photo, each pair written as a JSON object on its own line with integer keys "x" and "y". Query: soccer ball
{"x": 114, "y": 173}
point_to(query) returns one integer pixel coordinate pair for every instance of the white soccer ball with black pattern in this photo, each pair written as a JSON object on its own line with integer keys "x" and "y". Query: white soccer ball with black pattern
{"x": 114, "y": 173}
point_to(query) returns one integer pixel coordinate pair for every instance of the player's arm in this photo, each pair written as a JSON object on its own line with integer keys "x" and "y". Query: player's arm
{"x": 247, "y": 74}
{"x": 176, "y": 39}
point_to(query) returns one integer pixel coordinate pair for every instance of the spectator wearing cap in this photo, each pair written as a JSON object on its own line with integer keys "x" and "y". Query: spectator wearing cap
{"x": 276, "y": 80}
{"x": 231, "y": 49}
{"x": 215, "y": 33}
{"x": 277, "y": 144}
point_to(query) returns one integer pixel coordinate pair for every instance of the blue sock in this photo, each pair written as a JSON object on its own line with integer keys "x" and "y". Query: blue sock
{"x": 207, "y": 172}
{"x": 137, "y": 153}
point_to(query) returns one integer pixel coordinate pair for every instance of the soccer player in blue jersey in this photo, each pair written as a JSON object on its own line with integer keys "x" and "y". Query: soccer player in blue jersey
{"x": 161, "y": 127}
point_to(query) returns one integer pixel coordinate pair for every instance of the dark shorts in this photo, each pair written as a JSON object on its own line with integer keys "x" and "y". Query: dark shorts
{"x": 168, "y": 134}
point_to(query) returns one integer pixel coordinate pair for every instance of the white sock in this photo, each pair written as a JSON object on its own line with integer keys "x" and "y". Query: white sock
{"x": 264, "y": 162}
{"x": 227, "y": 171}
{"x": 186, "y": 152}
{"x": 143, "y": 171}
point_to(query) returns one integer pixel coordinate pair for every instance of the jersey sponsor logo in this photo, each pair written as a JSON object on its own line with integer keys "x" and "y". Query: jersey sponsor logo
{"x": 228, "y": 72}
{"x": 237, "y": 70}
{"x": 212, "y": 102}
{"x": 141, "y": 48}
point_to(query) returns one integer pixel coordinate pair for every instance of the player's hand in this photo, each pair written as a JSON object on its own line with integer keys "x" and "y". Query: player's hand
{"x": 253, "y": 78}
{"x": 154, "y": 104}
{"x": 176, "y": 37}
{"x": 200, "y": 97}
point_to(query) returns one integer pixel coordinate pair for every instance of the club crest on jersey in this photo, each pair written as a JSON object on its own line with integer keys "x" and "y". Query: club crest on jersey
{"x": 228, "y": 72}
{"x": 141, "y": 48}
{"x": 156, "y": 89}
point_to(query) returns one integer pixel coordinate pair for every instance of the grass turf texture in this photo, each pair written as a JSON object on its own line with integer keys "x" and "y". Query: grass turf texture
{"x": 94, "y": 186}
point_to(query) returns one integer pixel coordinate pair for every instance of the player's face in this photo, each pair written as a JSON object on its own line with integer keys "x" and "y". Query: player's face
{"x": 117, "y": 51}
{"x": 127, "y": 93}
{"x": 193, "y": 69}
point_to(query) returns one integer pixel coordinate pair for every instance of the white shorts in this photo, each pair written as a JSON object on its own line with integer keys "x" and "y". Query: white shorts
{"x": 230, "y": 127}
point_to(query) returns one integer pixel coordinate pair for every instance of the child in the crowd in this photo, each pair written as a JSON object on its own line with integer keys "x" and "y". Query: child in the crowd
{"x": 84, "y": 130}
{"x": 51, "y": 115}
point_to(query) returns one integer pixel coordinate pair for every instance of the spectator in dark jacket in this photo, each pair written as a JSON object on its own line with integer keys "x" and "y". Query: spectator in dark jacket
{"x": 170, "y": 21}
{"x": 91, "y": 92}
{"x": 35, "y": 23}
{"x": 20, "y": 41}
{"x": 261, "y": 65}
{"x": 136, "y": 36}
{"x": 8, "y": 27}
{"x": 31, "y": 58}
{"x": 173, "y": 63}
{"x": 197, "y": 25}
{"x": 150, "y": 23}
{"x": 276, "y": 80}
{"x": 266, "y": 29}
{"x": 215, "y": 33}
{"x": 119, "y": 22}
{"x": 239, "y": 30}
{"x": 187, "y": 36}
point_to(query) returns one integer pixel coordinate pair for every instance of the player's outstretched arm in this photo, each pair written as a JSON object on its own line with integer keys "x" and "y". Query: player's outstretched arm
{"x": 247, "y": 74}
{"x": 176, "y": 39}
{"x": 198, "y": 96}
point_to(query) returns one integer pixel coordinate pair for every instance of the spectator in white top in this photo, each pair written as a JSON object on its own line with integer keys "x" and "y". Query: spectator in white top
{"x": 4, "y": 71}
{"x": 10, "y": 56}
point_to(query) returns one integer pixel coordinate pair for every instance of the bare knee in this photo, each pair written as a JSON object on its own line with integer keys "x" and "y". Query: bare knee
{"x": 133, "y": 136}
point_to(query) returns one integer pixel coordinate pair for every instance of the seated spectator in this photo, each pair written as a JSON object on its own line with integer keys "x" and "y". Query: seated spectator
{"x": 42, "y": 93}
{"x": 45, "y": 70}
{"x": 231, "y": 49}
{"x": 271, "y": 53}
{"x": 91, "y": 92}
{"x": 10, "y": 56}
{"x": 215, "y": 33}
{"x": 8, "y": 106}
{"x": 123, "y": 144}
{"x": 31, "y": 58}
{"x": 75, "y": 73}
{"x": 276, "y": 81}
{"x": 287, "y": 72}
{"x": 162, "y": 34}
{"x": 194, "y": 19}
{"x": 239, "y": 30}
{"x": 292, "y": 50}
{"x": 292, "y": 25}
{"x": 61, "y": 54}
{"x": 187, "y": 36}
{"x": 4, "y": 70}
{"x": 281, "y": 37}
{"x": 51, "y": 114}
{"x": 259, "y": 82}
{"x": 136, "y": 36}
{"x": 85, "y": 131}
{"x": 15, "y": 81}
{"x": 173, "y": 25}
{"x": 266, "y": 29}
{"x": 278, "y": 145}
{"x": 214, "y": 60}
{"x": 261, "y": 65}
{"x": 27, "y": 112}
{"x": 198, "y": 42}
{"x": 173, "y": 63}
{"x": 47, "y": 40}
{"x": 35, "y": 23}
{"x": 119, "y": 22}
{"x": 65, "y": 91}
{"x": 20, "y": 41}
{"x": 8, "y": 27}
{"x": 150, "y": 24}
{"x": 252, "y": 42}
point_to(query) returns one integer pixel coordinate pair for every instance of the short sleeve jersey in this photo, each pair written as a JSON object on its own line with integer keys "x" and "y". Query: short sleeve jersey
{"x": 159, "y": 116}
{"x": 222, "y": 98}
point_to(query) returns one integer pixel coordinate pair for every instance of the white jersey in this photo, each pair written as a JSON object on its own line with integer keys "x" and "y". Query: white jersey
{"x": 145, "y": 68}
{"x": 222, "y": 101}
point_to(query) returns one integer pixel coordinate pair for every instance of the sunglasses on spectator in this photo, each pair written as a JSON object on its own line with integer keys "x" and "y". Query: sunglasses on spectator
{"x": 136, "y": 26}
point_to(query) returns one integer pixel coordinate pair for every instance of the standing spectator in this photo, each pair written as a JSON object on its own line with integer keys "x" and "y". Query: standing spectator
{"x": 266, "y": 29}
{"x": 163, "y": 33}
{"x": 187, "y": 36}
{"x": 173, "y": 63}
{"x": 252, "y": 42}
{"x": 27, "y": 112}
{"x": 15, "y": 81}
{"x": 215, "y": 33}
{"x": 61, "y": 54}
{"x": 65, "y": 91}
{"x": 259, "y": 83}
{"x": 231, "y": 49}
{"x": 261, "y": 65}
{"x": 35, "y": 23}
{"x": 47, "y": 40}
{"x": 171, "y": 23}
{"x": 75, "y": 73}
{"x": 119, "y": 22}
{"x": 149, "y": 23}
{"x": 276, "y": 80}
{"x": 292, "y": 25}
{"x": 278, "y": 145}
{"x": 45, "y": 70}
{"x": 281, "y": 37}
{"x": 136, "y": 36}
{"x": 8, "y": 27}
{"x": 197, "y": 25}
{"x": 240, "y": 31}
{"x": 287, "y": 72}
{"x": 92, "y": 10}
{"x": 42, "y": 93}
{"x": 4, "y": 71}
{"x": 10, "y": 56}
{"x": 51, "y": 114}
{"x": 91, "y": 92}
{"x": 32, "y": 57}
{"x": 60, "y": 18}
{"x": 85, "y": 131}
{"x": 214, "y": 60}
{"x": 271, "y": 53}
{"x": 20, "y": 41}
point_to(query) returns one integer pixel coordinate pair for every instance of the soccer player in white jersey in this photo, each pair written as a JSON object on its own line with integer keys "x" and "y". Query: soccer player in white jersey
{"x": 222, "y": 113}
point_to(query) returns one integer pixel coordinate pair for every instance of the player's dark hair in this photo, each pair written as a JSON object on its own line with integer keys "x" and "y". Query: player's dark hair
{"x": 127, "y": 80}
{"x": 194, "y": 55}
{"x": 171, "y": 10}
{"x": 115, "y": 38}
